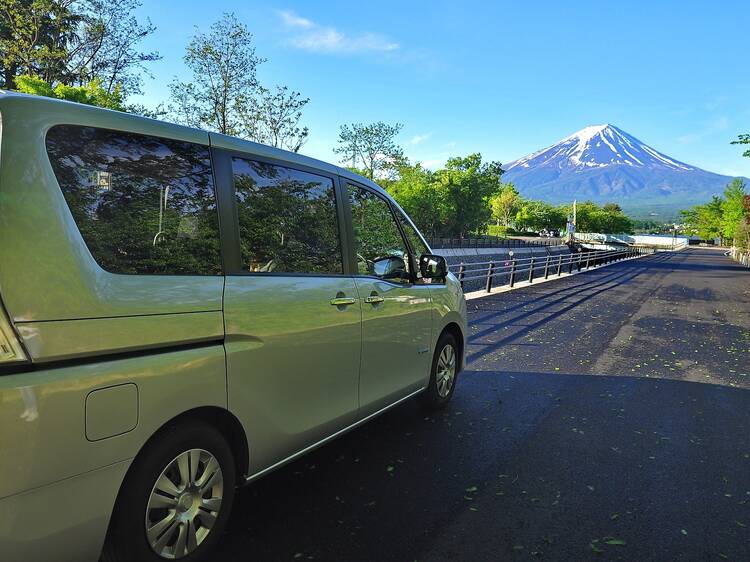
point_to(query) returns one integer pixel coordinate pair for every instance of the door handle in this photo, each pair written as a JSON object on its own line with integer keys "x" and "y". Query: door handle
{"x": 374, "y": 299}
{"x": 343, "y": 301}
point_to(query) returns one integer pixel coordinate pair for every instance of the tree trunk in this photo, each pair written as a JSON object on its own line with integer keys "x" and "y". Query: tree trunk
{"x": 10, "y": 78}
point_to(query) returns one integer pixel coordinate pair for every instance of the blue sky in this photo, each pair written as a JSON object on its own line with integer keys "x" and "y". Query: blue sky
{"x": 504, "y": 78}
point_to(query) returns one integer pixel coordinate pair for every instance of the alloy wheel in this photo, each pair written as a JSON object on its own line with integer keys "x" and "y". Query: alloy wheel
{"x": 184, "y": 504}
{"x": 446, "y": 370}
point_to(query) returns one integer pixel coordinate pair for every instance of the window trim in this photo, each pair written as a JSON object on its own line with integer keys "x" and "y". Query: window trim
{"x": 229, "y": 217}
{"x": 222, "y": 270}
{"x": 412, "y": 254}
{"x": 350, "y": 225}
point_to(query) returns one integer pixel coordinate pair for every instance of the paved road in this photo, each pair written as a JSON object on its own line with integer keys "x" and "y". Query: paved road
{"x": 610, "y": 407}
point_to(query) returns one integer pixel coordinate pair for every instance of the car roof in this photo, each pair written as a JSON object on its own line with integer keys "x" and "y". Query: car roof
{"x": 216, "y": 139}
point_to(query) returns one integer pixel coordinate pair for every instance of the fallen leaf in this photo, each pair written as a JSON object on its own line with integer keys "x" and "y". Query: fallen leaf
{"x": 615, "y": 542}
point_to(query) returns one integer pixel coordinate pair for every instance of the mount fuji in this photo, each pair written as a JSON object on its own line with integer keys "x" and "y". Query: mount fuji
{"x": 605, "y": 164}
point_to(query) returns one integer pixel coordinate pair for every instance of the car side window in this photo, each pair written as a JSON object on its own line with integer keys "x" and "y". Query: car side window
{"x": 288, "y": 219}
{"x": 380, "y": 248}
{"x": 143, "y": 205}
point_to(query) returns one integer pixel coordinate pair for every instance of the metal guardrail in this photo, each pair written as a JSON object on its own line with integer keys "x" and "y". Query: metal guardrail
{"x": 740, "y": 256}
{"x": 526, "y": 268}
{"x": 490, "y": 242}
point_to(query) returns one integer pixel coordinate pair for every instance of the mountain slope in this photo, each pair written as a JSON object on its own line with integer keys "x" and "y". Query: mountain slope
{"x": 605, "y": 164}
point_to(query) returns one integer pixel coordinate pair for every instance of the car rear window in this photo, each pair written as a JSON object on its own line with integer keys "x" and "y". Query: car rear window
{"x": 143, "y": 205}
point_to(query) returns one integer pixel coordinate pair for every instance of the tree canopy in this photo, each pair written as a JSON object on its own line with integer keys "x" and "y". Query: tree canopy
{"x": 225, "y": 95}
{"x": 92, "y": 93}
{"x": 223, "y": 66}
{"x": 371, "y": 148}
{"x": 505, "y": 204}
{"x": 723, "y": 217}
{"x": 73, "y": 43}
{"x": 469, "y": 184}
{"x": 743, "y": 139}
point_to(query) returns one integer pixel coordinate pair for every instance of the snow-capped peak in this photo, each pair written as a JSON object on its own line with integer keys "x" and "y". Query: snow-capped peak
{"x": 597, "y": 146}
{"x": 587, "y": 133}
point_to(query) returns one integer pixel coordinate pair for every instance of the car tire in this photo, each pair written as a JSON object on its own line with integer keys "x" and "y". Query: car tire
{"x": 444, "y": 373}
{"x": 192, "y": 505}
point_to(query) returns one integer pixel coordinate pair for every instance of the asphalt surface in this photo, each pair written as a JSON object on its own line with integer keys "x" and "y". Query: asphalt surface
{"x": 602, "y": 417}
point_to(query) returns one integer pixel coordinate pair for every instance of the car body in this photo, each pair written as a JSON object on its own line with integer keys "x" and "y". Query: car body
{"x": 153, "y": 275}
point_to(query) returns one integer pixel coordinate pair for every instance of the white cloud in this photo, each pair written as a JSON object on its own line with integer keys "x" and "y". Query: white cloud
{"x": 416, "y": 139}
{"x": 433, "y": 164}
{"x": 291, "y": 19}
{"x": 310, "y": 36}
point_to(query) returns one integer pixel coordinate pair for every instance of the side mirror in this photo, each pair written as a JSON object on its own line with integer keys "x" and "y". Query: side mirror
{"x": 389, "y": 267}
{"x": 433, "y": 267}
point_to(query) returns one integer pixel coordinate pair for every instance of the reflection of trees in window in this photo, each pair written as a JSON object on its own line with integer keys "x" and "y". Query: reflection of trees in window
{"x": 287, "y": 219}
{"x": 375, "y": 230}
{"x": 417, "y": 246}
{"x": 142, "y": 204}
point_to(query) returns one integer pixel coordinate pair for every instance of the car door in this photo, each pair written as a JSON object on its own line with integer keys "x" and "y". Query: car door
{"x": 292, "y": 316}
{"x": 396, "y": 306}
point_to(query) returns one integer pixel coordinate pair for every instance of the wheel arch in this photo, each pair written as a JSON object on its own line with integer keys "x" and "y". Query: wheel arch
{"x": 455, "y": 330}
{"x": 221, "y": 419}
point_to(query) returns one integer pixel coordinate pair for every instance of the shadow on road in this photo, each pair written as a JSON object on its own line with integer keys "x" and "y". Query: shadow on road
{"x": 520, "y": 465}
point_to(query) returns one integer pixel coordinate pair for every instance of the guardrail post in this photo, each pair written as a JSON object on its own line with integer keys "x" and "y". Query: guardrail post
{"x": 546, "y": 268}
{"x": 461, "y": 269}
{"x": 512, "y": 272}
{"x": 531, "y": 270}
{"x": 559, "y": 265}
{"x": 490, "y": 273}
{"x": 588, "y": 260}
{"x": 579, "y": 261}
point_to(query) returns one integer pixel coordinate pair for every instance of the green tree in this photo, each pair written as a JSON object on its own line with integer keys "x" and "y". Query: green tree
{"x": 92, "y": 93}
{"x": 743, "y": 139}
{"x": 538, "y": 215}
{"x": 505, "y": 204}
{"x": 74, "y": 42}
{"x": 224, "y": 94}
{"x": 224, "y": 78}
{"x": 612, "y": 208}
{"x": 31, "y": 37}
{"x": 469, "y": 185}
{"x": 733, "y": 209}
{"x": 613, "y": 220}
{"x": 273, "y": 118}
{"x": 423, "y": 198}
{"x": 371, "y": 148}
{"x": 705, "y": 220}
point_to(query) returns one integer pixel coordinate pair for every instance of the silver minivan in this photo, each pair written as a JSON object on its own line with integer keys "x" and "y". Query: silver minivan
{"x": 183, "y": 312}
